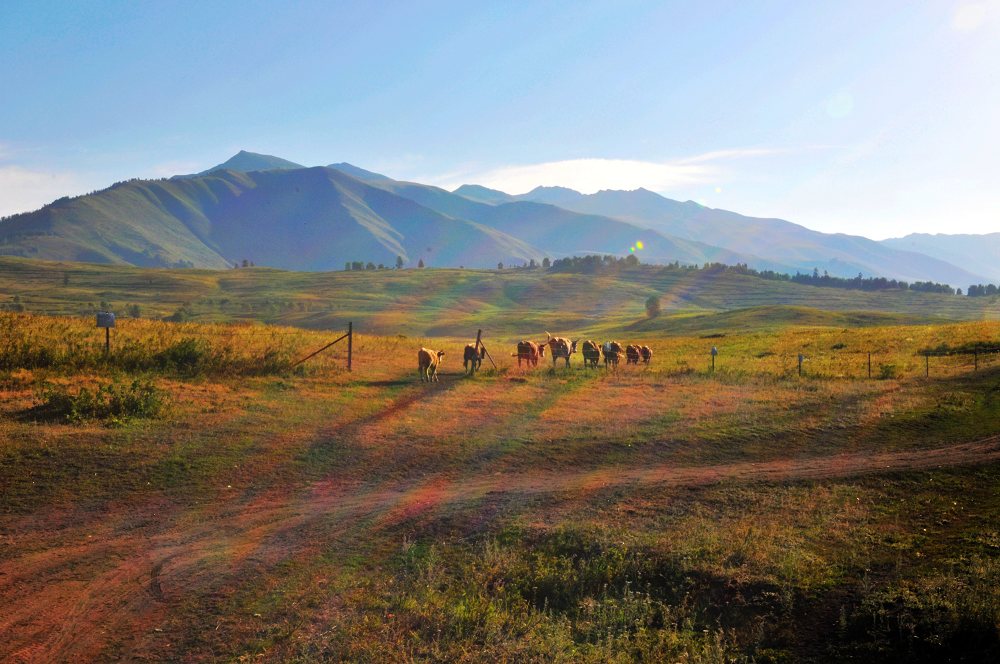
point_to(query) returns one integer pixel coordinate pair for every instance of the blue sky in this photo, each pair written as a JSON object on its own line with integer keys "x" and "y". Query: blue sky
{"x": 869, "y": 118}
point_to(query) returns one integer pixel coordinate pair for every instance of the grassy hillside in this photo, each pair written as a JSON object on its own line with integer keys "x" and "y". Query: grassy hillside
{"x": 652, "y": 514}
{"x": 452, "y": 302}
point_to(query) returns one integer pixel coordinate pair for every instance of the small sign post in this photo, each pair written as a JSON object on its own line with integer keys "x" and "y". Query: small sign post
{"x": 715, "y": 351}
{"x": 106, "y": 319}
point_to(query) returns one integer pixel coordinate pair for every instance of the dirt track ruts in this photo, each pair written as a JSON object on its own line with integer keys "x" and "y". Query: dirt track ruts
{"x": 73, "y": 585}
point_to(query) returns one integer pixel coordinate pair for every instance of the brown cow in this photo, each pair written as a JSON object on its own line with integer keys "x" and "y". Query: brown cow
{"x": 612, "y": 351}
{"x": 529, "y": 351}
{"x": 632, "y": 354}
{"x": 591, "y": 353}
{"x": 647, "y": 354}
{"x": 473, "y": 357}
{"x": 560, "y": 347}
{"x": 429, "y": 361}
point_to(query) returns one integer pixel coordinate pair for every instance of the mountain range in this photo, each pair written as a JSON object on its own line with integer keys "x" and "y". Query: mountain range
{"x": 278, "y": 213}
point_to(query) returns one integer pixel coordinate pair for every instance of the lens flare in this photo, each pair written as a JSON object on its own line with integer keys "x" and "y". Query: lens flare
{"x": 638, "y": 245}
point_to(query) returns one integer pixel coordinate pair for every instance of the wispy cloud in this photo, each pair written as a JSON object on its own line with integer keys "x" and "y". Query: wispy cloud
{"x": 974, "y": 15}
{"x": 593, "y": 174}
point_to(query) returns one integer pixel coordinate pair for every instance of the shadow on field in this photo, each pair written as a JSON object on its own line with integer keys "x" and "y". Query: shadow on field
{"x": 43, "y": 412}
{"x": 330, "y": 445}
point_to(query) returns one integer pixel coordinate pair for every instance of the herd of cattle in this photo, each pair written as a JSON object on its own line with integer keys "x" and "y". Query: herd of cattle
{"x": 530, "y": 352}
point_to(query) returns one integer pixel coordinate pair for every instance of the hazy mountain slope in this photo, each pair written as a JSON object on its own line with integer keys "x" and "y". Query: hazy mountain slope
{"x": 246, "y": 162}
{"x": 976, "y": 253}
{"x": 562, "y": 232}
{"x": 482, "y": 194}
{"x": 305, "y": 219}
{"x": 774, "y": 239}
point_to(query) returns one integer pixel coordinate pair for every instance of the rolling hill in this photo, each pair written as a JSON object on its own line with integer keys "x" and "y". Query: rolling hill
{"x": 452, "y": 302}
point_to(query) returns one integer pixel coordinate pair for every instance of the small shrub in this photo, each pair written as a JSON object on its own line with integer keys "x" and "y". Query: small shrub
{"x": 653, "y": 306}
{"x": 182, "y": 315}
{"x": 189, "y": 356}
{"x": 115, "y": 402}
{"x": 887, "y": 371}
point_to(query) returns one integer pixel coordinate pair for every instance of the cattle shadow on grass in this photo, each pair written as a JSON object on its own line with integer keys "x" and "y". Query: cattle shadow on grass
{"x": 333, "y": 446}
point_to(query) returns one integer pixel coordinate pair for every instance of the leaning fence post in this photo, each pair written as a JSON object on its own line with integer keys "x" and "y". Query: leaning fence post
{"x": 869, "y": 365}
{"x": 350, "y": 343}
{"x": 801, "y": 357}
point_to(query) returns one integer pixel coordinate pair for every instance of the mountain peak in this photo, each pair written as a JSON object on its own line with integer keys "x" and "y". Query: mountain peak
{"x": 554, "y": 189}
{"x": 477, "y": 192}
{"x": 246, "y": 162}
{"x": 359, "y": 173}
{"x": 558, "y": 196}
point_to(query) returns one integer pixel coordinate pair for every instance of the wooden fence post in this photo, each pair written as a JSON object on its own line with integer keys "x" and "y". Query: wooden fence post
{"x": 350, "y": 343}
{"x": 927, "y": 365}
{"x": 869, "y": 366}
{"x": 479, "y": 342}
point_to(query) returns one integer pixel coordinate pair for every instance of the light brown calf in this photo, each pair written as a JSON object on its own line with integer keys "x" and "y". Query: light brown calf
{"x": 429, "y": 361}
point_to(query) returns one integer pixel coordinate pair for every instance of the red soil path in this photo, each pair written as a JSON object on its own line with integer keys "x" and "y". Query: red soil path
{"x": 75, "y": 583}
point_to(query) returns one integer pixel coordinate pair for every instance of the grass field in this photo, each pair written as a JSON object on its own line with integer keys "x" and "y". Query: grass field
{"x": 660, "y": 513}
{"x": 444, "y": 302}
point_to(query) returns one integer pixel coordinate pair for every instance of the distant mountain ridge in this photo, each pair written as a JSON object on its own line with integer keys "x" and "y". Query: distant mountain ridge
{"x": 280, "y": 213}
{"x": 977, "y": 253}
{"x": 560, "y": 232}
{"x": 775, "y": 240}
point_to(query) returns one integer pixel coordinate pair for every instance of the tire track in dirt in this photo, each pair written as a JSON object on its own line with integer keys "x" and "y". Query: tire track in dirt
{"x": 54, "y": 618}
